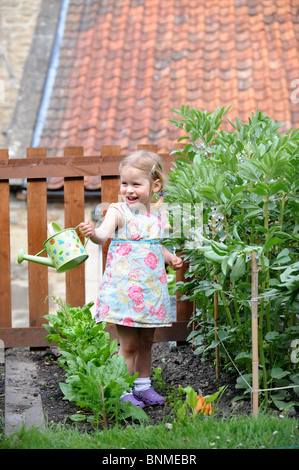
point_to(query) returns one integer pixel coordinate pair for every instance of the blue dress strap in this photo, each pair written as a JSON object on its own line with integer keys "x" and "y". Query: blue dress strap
{"x": 152, "y": 241}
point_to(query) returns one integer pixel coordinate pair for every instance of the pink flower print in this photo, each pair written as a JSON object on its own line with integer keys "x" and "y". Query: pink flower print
{"x": 135, "y": 236}
{"x": 123, "y": 248}
{"x": 139, "y": 306}
{"x": 135, "y": 293}
{"x": 160, "y": 313}
{"x": 110, "y": 258}
{"x": 127, "y": 321}
{"x": 163, "y": 277}
{"x": 104, "y": 310}
{"x": 151, "y": 261}
{"x": 134, "y": 274}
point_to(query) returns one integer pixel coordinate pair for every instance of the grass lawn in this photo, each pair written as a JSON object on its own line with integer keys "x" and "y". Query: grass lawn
{"x": 264, "y": 432}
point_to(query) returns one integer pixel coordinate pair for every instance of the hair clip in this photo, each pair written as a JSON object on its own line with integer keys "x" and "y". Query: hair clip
{"x": 153, "y": 169}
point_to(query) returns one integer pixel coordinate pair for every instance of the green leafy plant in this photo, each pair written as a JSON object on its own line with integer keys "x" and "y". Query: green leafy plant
{"x": 96, "y": 376}
{"x": 246, "y": 182}
{"x": 196, "y": 405}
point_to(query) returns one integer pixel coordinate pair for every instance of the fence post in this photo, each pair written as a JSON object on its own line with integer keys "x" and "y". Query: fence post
{"x": 109, "y": 187}
{"x": 73, "y": 215}
{"x": 37, "y": 234}
{"x": 5, "y": 276}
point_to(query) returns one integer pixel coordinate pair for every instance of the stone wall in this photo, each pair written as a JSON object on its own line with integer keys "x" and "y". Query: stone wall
{"x": 17, "y": 24}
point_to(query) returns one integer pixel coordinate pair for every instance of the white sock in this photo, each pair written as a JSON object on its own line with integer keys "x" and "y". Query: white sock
{"x": 126, "y": 393}
{"x": 141, "y": 384}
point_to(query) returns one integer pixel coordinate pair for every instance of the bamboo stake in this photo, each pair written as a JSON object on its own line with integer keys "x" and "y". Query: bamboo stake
{"x": 104, "y": 409}
{"x": 254, "y": 328}
{"x": 216, "y": 334}
{"x": 193, "y": 323}
{"x": 216, "y": 316}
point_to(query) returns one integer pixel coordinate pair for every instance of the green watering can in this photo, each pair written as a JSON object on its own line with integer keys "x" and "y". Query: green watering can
{"x": 64, "y": 248}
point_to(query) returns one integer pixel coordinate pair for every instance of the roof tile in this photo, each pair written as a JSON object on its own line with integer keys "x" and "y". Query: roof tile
{"x": 125, "y": 64}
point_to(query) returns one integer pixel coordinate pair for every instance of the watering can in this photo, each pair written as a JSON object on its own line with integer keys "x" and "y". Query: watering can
{"x": 64, "y": 248}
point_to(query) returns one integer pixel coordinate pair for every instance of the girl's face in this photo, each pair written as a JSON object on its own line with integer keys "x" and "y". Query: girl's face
{"x": 136, "y": 188}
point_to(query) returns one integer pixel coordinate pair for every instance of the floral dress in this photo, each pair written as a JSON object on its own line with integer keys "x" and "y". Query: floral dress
{"x": 133, "y": 291}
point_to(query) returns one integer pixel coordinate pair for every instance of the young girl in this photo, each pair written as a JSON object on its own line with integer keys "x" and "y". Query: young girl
{"x": 133, "y": 292}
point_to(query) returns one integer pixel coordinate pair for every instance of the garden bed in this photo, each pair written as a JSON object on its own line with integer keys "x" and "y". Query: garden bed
{"x": 179, "y": 366}
{"x": 2, "y": 393}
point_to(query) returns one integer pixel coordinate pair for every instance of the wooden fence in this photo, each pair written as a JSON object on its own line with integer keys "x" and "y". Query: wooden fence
{"x": 73, "y": 166}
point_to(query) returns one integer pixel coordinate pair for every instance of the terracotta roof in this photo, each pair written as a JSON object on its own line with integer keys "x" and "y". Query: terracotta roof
{"x": 124, "y": 64}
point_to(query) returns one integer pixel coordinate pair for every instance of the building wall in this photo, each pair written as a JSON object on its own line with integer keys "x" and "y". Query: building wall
{"x": 17, "y": 25}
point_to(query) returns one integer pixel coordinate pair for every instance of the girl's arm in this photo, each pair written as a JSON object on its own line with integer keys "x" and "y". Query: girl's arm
{"x": 106, "y": 230}
{"x": 174, "y": 261}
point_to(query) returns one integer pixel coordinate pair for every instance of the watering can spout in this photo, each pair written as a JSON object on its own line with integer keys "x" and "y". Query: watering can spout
{"x": 35, "y": 258}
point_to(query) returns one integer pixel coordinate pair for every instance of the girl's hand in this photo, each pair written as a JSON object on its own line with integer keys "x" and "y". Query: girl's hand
{"x": 175, "y": 262}
{"x": 87, "y": 229}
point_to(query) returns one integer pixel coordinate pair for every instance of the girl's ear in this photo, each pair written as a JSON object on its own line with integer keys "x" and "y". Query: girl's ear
{"x": 157, "y": 185}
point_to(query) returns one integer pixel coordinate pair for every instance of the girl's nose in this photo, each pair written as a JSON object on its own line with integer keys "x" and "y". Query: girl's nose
{"x": 130, "y": 189}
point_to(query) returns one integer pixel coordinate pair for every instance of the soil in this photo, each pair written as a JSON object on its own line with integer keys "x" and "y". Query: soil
{"x": 179, "y": 366}
{"x": 2, "y": 394}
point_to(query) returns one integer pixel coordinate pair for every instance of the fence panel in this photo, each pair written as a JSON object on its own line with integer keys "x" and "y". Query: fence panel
{"x": 73, "y": 166}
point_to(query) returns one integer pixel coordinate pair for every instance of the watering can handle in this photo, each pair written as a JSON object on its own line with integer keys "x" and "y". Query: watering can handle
{"x": 53, "y": 228}
{"x": 86, "y": 238}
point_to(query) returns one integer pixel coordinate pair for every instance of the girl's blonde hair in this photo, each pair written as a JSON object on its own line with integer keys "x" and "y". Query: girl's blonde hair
{"x": 148, "y": 162}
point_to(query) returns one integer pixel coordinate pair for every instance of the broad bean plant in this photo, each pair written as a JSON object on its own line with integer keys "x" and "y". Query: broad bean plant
{"x": 246, "y": 182}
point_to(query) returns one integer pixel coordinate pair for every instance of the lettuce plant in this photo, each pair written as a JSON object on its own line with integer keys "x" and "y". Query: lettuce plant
{"x": 96, "y": 376}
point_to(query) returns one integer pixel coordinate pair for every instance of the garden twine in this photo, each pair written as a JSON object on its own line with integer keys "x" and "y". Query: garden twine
{"x": 241, "y": 375}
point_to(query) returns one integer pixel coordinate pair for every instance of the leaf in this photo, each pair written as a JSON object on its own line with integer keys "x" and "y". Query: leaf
{"x": 128, "y": 410}
{"x": 224, "y": 265}
{"x": 68, "y": 392}
{"x": 272, "y": 241}
{"x": 278, "y": 373}
{"x": 77, "y": 418}
{"x": 191, "y": 396}
{"x": 238, "y": 269}
{"x": 211, "y": 255}
{"x": 261, "y": 189}
{"x": 211, "y": 398}
{"x": 244, "y": 357}
{"x": 272, "y": 336}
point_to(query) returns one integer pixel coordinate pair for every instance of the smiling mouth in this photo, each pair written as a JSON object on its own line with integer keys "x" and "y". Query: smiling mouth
{"x": 132, "y": 199}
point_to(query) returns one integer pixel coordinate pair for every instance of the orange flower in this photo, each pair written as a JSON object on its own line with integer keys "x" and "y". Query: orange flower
{"x": 207, "y": 409}
{"x": 202, "y": 406}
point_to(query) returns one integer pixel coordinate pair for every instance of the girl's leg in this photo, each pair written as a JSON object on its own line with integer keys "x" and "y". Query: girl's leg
{"x": 143, "y": 390}
{"x": 136, "y": 347}
{"x": 129, "y": 344}
{"x": 143, "y": 357}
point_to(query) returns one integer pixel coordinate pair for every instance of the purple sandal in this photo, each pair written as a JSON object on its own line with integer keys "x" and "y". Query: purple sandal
{"x": 149, "y": 396}
{"x": 130, "y": 397}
